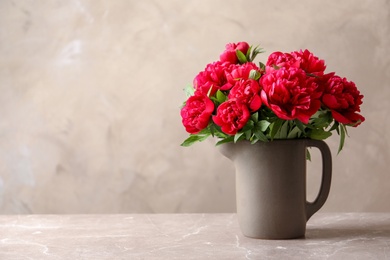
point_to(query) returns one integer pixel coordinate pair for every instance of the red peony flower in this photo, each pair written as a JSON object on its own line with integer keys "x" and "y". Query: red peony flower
{"x": 232, "y": 115}
{"x": 248, "y": 92}
{"x": 281, "y": 60}
{"x": 343, "y": 99}
{"x": 196, "y": 113}
{"x": 290, "y": 94}
{"x": 237, "y": 72}
{"x": 243, "y": 71}
{"x": 309, "y": 63}
{"x": 229, "y": 55}
{"x": 215, "y": 76}
{"x": 292, "y": 87}
{"x": 221, "y": 75}
{"x": 304, "y": 60}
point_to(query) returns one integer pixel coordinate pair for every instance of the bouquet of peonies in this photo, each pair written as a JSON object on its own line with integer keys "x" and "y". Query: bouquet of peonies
{"x": 289, "y": 97}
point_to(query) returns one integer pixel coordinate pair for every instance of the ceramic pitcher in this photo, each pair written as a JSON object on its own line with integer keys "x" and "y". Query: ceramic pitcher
{"x": 271, "y": 186}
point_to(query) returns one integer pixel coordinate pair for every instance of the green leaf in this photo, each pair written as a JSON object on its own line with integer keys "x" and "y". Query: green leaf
{"x": 215, "y": 130}
{"x": 248, "y": 54}
{"x": 189, "y": 91}
{"x": 263, "y": 125}
{"x": 255, "y": 51}
{"x": 293, "y": 133}
{"x": 261, "y": 66}
{"x": 283, "y": 130}
{"x": 319, "y": 134}
{"x": 300, "y": 125}
{"x": 342, "y": 137}
{"x": 241, "y": 57}
{"x": 225, "y": 140}
{"x": 205, "y": 131}
{"x": 220, "y": 135}
{"x": 220, "y": 96}
{"x": 249, "y": 126}
{"x": 275, "y": 127}
{"x": 279, "y": 129}
{"x": 321, "y": 119}
{"x": 238, "y": 136}
{"x": 335, "y": 126}
{"x": 194, "y": 138}
{"x": 254, "y": 74}
{"x": 248, "y": 134}
{"x": 308, "y": 155}
{"x": 261, "y": 136}
{"x": 255, "y": 117}
{"x": 212, "y": 129}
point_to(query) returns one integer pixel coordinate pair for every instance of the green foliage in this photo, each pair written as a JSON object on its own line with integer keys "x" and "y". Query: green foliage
{"x": 241, "y": 57}
{"x": 308, "y": 155}
{"x": 342, "y": 130}
{"x": 251, "y": 54}
{"x": 265, "y": 126}
{"x": 220, "y": 97}
{"x": 194, "y": 138}
{"x": 254, "y": 74}
{"x": 189, "y": 91}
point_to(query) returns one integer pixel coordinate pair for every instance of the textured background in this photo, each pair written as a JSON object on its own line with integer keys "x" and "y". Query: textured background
{"x": 90, "y": 94}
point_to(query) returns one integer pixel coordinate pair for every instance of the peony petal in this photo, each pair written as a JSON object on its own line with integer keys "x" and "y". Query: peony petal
{"x": 280, "y": 112}
{"x": 304, "y": 118}
{"x": 217, "y": 120}
{"x": 330, "y": 101}
{"x": 355, "y": 118}
{"x": 209, "y": 105}
{"x": 340, "y": 118}
{"x": 226, "y": 86}
{"x": 264, "y": 98}
{"x": 255, "y": 103}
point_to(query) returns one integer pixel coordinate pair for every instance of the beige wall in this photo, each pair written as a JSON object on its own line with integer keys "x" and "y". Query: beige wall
{"x": 90, "y": 94}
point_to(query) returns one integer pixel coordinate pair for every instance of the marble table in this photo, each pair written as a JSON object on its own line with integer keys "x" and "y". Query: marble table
{"x": 187, "y": 236}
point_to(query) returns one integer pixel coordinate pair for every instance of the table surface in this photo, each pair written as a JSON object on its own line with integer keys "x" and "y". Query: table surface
{"x": 188, "y": 236}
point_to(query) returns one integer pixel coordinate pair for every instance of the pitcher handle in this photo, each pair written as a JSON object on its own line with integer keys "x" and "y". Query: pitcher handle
{"x": 313, "y": 207}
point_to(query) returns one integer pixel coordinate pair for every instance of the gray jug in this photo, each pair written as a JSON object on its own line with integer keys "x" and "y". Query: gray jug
{"x": 271, "y": 186}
